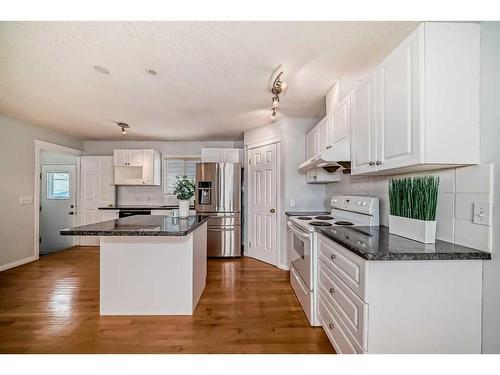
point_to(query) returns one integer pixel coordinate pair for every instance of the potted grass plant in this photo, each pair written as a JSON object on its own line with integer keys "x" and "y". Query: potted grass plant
{"x": 184, "y": 191}
{"x": 413, "y": 202}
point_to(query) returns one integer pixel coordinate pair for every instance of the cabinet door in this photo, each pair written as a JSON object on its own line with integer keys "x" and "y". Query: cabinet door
{"x": 363, "y": 128}
{"x": 148, "y": 167}
{"x": 323, "y": 130}
{"x": 310, "y": 143}
{"x": 135, "y": 158}
{"x": 232, "y": 155}
{"x": 340, "y": 122}
{"x": 398, "y": 111}
{"x": 120, "y": 158}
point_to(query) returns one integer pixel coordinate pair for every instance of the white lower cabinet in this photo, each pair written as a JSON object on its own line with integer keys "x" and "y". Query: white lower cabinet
{"x": 423, "y": 306}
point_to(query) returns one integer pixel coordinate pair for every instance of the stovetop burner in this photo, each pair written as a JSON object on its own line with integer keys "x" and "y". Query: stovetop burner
{"x": 320, "y": 224}
{"x": 323, "y": 217}
{"x": 304, "y": 218}
{"x": 343, "y": 223}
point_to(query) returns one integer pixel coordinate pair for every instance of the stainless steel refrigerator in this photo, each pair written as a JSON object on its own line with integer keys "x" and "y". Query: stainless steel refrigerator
{"x": 218, "y": 194}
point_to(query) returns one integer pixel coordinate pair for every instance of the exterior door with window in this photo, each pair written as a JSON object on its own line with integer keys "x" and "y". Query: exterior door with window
{"x": 58, "y": 206}
{"x": 263, "y": 201}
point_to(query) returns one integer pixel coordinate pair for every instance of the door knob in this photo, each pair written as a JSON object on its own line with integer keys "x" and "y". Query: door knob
{"x": 72, "y": 206}
{"x": 272, "y": 210}
{"x": 331, "y": 326}
{"x": 71, "y": 213}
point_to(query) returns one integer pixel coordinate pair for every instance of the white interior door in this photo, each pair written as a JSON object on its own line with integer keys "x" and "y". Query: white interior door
{"x": 58, "y": 206}
{"x": 263, "y": 200}
{"x": 97, "y": 191}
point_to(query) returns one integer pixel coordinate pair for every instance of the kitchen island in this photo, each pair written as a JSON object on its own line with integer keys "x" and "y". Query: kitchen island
{"x": 150, "y": 265}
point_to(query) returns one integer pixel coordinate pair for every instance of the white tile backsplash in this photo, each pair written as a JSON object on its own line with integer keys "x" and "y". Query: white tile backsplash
{"x": 459, "y": 188}
{"x": 474, "y": 179}
{"x": 465, "y": 203}
{"x": 469, "y": 234}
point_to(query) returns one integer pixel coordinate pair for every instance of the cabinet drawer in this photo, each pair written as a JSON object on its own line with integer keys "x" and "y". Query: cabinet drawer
{"x": 334, "y": 330}
{"x": 350, "y": 308}
{"x": 347, "y": 266}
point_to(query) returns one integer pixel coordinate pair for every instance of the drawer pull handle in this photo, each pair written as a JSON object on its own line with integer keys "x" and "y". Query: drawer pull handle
{"x": 332, "y": 256}
{"x": 331, "y": 326}
{"x": 332, "y": 290}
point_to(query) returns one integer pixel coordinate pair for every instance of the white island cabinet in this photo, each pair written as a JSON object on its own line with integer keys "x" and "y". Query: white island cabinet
{"x": 150, "y": 265}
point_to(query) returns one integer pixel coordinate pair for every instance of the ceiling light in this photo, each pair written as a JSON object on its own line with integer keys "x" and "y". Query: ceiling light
{"x": 273, "y": 114}
{"x": 124, "y": 127}
{"x": 276, "y": 102}
{"x": 151, "y": 71}
{"x": 101, "y": 69}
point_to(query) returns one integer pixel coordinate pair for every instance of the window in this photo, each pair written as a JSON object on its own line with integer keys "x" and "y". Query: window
{"x": 178, "y": 167}
{"x": 57, "y": 185}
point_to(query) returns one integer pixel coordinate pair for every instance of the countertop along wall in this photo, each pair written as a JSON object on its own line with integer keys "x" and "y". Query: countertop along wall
{"x": 152, "y": 194}
{"x": 17, "y": 169}
{"x": 460, "y": 187}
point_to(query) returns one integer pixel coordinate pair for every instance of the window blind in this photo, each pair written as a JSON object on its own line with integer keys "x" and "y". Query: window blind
{"x": 178, "y": 167}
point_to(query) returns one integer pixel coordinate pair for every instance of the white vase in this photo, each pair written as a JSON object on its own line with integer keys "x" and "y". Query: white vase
{"x": 183, "y": 208}
{"x": 418, "y": 230}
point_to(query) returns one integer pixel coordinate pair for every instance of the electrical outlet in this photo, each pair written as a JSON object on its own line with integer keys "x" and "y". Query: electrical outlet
{"x": 26, "y": 199}
{"x": 292, "y": 202}
{"x": 481, "y": 214}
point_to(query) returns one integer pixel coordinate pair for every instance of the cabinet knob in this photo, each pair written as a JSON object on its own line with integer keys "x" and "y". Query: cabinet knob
{"x": 378, "y": 162}
{"x": 371, "y": 163}
{"x": 331, "y": 326}
{"x": 332, "y": 256}
{"x": 332, "y": 290}
{"x": 272, "y": 210}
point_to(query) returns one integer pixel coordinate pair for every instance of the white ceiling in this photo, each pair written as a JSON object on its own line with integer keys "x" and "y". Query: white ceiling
{"x": 213, "y": 77}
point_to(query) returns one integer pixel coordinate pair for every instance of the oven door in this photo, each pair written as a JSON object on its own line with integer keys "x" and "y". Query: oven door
{"x": 299, "y": 244}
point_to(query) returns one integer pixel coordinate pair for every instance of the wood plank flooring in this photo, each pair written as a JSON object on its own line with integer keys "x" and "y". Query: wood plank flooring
{"x": 52, "y": 306}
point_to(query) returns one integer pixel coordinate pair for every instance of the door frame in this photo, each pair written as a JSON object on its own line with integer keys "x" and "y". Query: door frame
{"x": 51, "y": 147}
{"x": 280, "y": 261}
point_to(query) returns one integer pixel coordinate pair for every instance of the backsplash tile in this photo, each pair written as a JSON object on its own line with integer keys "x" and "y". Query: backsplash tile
{"x": 474, "y": 179}
{"x": 459, "y": 188}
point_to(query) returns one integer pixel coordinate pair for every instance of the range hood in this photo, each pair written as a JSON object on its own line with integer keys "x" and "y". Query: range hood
{"x": 337, "y": 156}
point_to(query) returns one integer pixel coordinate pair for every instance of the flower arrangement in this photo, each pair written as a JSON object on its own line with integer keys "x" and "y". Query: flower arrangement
{"x": 184, "y": 188}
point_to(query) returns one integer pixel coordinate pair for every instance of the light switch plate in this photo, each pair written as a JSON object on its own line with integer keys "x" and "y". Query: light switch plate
{"x": 481, "y": 214}
{"x": 26, "y": 199}
{"x": 292, "y": 202}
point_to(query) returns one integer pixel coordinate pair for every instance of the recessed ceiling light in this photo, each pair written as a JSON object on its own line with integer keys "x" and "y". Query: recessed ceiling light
{"x": 151, "y": 71}
{"x": 101, "y": 69}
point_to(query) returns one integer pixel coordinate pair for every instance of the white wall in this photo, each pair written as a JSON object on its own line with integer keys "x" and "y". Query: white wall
{"x": 291, "y": 133}
{"x": 152, "y": 194}
{"x": 490, "y": 153}
{"x": 17, "y": 168}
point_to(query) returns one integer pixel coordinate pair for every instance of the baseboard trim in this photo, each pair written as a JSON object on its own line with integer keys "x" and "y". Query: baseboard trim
{"x": 16, "y": 263}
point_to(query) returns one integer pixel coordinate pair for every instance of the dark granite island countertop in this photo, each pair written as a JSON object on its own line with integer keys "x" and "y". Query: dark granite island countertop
{"x": 139, "y": 207}
{"x": 376, "y": 243}
{"x": 140, "y": 225}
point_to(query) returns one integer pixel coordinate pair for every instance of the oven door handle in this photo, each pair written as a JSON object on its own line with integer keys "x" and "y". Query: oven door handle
{"x": 297, "y": 231}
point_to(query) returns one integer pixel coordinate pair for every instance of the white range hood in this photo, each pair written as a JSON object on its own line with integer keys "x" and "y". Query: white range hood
{"x": 337, "y": 157}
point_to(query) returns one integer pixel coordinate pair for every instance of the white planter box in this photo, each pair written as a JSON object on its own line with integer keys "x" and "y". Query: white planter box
{"x": 418, "y": 230}
{"x": 183, "y": 208}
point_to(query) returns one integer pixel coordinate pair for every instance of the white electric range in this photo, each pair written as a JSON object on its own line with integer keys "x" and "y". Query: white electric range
{"x": 347, "y": 210}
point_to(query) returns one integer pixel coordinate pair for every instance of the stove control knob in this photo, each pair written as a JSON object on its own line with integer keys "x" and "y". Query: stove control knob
{"x": 360, "y": 203}
{"x": 365, "y": 203}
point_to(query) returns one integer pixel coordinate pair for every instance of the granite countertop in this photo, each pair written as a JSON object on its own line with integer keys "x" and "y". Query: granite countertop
{"x": 140, "y": 225}
{"x": 306, "y": 213}
{"x": 132, "y": 207}
{"x": 376, "y": 243}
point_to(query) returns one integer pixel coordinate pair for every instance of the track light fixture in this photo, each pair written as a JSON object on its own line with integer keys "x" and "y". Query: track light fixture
{"x": 124, "y": 127}
{"x": 279, "y": 87}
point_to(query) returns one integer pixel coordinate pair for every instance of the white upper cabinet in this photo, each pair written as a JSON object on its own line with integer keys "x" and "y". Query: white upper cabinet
{"x": 420, "y": 108}
{"x": 137, "y": 167}
{"x": 363, "y": 127}
{"x": 131, "y": 158}
{"x": 324, "y": 131}
{"x": 222, "y": 155}
{"x": 312, "y": 142}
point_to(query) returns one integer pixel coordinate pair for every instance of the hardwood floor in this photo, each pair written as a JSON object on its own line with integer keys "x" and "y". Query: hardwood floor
{"x": 52, "y": 306}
